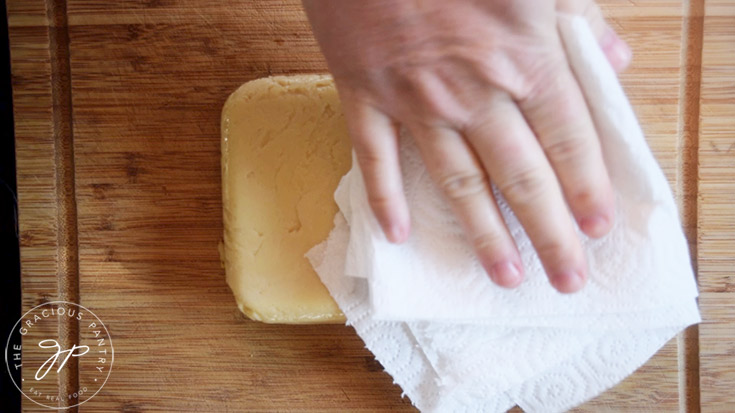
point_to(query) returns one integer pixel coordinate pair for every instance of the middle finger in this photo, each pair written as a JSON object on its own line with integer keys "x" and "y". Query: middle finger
{"x": 456, "y": 170}
{"x": 517, "y": 164}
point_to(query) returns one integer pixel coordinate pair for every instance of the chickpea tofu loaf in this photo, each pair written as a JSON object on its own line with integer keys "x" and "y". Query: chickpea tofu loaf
{"x": 284, "y": 149}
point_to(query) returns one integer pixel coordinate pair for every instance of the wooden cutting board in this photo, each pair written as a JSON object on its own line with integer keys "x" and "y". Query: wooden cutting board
{"x": 117, "y": 108}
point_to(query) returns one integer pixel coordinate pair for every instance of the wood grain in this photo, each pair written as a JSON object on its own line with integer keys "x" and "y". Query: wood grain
{"x": 687, "y": 188}
{"x": 148, "y": 184}
{"x": 716, "y": 210}
{"x": 66, "y": 230}
{"x": 147, "y": 80}
{"x": 39, "y": 150}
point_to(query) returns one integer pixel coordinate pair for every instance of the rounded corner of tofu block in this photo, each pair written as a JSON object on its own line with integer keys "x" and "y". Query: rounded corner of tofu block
{"x": 266, "y": 86}
{"x": 285, "y": 146}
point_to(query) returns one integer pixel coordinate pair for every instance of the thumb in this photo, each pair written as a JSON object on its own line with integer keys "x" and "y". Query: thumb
{"x": 618, "y": 52}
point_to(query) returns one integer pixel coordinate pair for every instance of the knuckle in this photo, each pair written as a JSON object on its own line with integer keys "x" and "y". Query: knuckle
{"x": 586, "y": 197}
{"x": 432, "y": 101}
{"x": 380, "y": 202}
{"x": 381, "y": 194}
{"x": 370, "y": 162}
{"x": 525, "y": 184}
{"x": 364, "y": 150}
{"x": 552, "y": 252}
{"x": 463, "y": 185}
{"x": 564, "y": 146}
{"x": 488, "y": 242}
{"x": 543, "y": 81}
{"x": 436, "y": 108}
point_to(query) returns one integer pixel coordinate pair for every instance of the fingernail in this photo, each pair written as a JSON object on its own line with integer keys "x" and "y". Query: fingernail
{"x": 396, "y": 234}
{"x": 617, "y": 50}
{"x": 506, "y": 274}
{"x": 595, "y": 226}
{"x": 623, "y": 55}
{"x": 568, "y": 281}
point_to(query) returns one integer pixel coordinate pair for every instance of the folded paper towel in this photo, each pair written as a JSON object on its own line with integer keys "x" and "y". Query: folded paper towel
{"x": 456, "y": 342}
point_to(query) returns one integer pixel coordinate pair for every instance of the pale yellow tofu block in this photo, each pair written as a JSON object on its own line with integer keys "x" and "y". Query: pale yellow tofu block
{"x": 284, "y": 149}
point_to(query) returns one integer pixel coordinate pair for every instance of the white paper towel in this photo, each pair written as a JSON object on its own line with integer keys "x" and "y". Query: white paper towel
{"x": 456, "y": 342}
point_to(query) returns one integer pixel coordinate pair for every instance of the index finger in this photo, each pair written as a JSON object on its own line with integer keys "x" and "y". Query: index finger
{"x": 375, "y": 141}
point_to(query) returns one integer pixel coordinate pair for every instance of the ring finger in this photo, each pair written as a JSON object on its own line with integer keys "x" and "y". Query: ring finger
{"x": 458, "y": 173}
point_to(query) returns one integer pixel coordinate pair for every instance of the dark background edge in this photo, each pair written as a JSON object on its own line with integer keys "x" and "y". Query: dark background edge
{"x": 10, "y": 292}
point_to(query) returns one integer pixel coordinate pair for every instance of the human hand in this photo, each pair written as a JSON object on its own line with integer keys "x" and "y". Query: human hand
{"x": 486, "y": 91}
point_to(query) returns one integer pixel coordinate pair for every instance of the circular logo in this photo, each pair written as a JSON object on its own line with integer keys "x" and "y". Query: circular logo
{"x": 53, "y": 341}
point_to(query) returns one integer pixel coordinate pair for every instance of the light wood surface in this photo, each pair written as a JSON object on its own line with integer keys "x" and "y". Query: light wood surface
{"x": 716, "y": 211}
{"x": 138, "y": 86}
